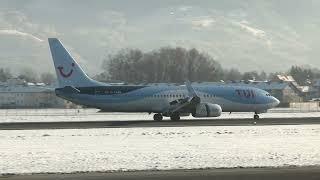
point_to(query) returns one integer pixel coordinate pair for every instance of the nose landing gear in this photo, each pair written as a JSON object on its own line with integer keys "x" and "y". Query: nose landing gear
{"x": 256, "y": 116}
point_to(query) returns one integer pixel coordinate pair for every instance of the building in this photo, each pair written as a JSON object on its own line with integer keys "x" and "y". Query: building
{"x": 306, "y": 92}
{"x": 316, "y": 87}
{"x": 19, "y": 94}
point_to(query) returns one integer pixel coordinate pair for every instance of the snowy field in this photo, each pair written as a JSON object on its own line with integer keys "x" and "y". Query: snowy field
{"x": 50, "y": 115}
{"x": 39, "y": 151}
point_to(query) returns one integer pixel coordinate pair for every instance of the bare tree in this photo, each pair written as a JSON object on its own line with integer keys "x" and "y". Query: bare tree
{"x": 47, "y": 78}
{"x": 5, "y": 74}
{"x": 164, "y": 65}
{"x": 232, "y": 75}
{"x": 28, "y": 75}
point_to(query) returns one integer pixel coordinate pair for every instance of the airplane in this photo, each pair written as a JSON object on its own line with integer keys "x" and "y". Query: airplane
{"x": 163, "y": 99}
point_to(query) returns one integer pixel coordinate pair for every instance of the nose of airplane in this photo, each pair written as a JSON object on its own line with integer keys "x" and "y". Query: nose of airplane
{"x": 276, "y": 102}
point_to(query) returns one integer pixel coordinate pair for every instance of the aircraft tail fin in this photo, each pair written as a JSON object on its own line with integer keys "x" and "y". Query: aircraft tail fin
{"x": 68, "y": 71}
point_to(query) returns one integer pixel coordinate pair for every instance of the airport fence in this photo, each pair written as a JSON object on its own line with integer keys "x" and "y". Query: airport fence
{"x": 297, "y": 107}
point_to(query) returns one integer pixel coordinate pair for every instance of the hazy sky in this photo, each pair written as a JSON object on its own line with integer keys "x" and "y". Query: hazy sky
{"x": 258, "y": 35}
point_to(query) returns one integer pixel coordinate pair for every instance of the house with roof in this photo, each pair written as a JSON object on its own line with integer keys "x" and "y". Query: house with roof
{"x": 19, "y": 94}
{"x": 308, "y": 93}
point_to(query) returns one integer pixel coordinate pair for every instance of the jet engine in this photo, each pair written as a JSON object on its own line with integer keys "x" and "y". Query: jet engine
{"x": 207, "y": 110}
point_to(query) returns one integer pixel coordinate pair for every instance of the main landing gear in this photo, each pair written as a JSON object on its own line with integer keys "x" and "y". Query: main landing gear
{"x": 157, "y": 117}
{"x": 256, "y": 116}
{"x": 173, "y": 117}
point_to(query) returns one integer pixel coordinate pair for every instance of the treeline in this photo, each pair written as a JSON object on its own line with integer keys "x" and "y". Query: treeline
{"x": 164, "y": 65}
{"x": 178, "y": 64}
{"x": 5, "y": 74}
{"x": 28, "y": 75}
{"x": 168, "y": 64}
{"x": 304, "y": 75}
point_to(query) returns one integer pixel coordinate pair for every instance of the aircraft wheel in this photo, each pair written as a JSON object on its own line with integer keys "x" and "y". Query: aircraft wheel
{"x": 157, "y": 117}
{"x": 256, "y": 117}
{"x": 175, "y": 117}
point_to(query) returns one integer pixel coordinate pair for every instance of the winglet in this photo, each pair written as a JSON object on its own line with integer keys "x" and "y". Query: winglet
{"x": 190, "y": 89}
{"x": 193, "y": 97}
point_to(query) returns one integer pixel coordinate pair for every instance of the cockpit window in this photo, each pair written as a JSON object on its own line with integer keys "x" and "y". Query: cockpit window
{"x": 268, "y": 95}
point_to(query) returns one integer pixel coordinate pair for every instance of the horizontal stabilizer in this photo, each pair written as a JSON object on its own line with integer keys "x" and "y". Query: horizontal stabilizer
{"x": 70, "y": 89}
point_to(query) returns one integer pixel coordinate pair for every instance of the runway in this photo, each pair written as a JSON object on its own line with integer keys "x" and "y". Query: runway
{"x": 150, "y": 123}
{"x": 293, "y": 173}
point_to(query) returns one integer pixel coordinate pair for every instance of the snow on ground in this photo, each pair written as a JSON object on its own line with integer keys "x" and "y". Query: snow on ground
{"x": 35, "y": 151}
{"x": 49, "y": 115}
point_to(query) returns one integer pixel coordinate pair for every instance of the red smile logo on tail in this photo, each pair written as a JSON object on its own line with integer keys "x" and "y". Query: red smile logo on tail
{"x": 60, "y": 68}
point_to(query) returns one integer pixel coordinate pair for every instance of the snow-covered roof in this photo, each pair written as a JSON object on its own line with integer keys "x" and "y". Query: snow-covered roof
{"x": 285, "y": 78}
{"x": 305, "y": 88}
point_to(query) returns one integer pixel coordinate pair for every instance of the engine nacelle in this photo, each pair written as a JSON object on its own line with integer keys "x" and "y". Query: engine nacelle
{"x": 207, "y": 110}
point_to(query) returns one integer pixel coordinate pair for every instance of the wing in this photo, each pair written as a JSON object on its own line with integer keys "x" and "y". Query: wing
{"x": 192, "y": 100}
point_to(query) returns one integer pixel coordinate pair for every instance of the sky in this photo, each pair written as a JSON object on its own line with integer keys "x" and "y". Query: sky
{"x": 267, "y": 35}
